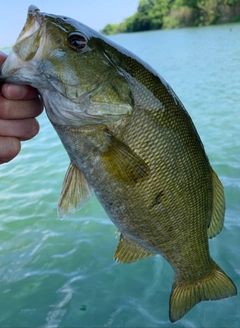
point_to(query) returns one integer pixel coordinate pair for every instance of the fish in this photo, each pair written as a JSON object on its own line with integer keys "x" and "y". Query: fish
{"x": 132, "y": 143}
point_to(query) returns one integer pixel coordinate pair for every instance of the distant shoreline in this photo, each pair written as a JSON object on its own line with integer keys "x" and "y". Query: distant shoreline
{"x": 5, "y": 48}
{"x": 174, "y": 14}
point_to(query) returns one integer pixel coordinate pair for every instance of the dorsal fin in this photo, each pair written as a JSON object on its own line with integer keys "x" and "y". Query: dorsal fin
{"x": 127, "y": 251}
{"x": 75, "y": 192}
{"x": 218, "y": 211}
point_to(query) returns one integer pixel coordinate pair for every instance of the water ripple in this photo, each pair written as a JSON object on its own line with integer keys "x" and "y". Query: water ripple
{"x": 61, "y": 273}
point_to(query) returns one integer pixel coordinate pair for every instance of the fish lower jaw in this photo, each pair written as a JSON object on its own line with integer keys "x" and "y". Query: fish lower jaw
{"x": 14, "y": 70}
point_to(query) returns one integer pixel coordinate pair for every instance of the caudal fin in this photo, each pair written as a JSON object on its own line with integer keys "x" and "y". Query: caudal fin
{"x": 214, "y": 286}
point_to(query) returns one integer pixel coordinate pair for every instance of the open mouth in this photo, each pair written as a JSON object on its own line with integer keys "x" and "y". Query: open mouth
{"x": 33, "y": 23}
{"x": 26, "y": 47}
{"x": 29, "y": 39}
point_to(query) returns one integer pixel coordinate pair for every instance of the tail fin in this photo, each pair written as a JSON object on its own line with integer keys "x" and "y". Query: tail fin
{"x": 213, "y": 286}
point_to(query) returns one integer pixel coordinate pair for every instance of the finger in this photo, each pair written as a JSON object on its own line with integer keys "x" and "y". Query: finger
{"x": 17, "y": 91}
{"x": 20, "y": 109}
{"x": 22, "y": 129}
{"x": 9, "y": 148}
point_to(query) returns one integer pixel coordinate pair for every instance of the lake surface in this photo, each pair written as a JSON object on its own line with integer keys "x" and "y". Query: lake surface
{"x": 61, "y": 273}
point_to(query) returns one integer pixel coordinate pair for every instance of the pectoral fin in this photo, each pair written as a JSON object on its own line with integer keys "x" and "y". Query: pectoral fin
{"x": 75, "y": 192}
{"x": 218, "y": 211}
{"x": 122, "y": 162}
{"x": 128, "y": 251}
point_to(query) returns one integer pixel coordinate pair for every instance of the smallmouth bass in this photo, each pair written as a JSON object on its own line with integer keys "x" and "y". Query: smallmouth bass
{"x": 131, "y": 142}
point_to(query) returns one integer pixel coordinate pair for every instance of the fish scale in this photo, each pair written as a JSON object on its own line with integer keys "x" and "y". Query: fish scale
{"x": 149, "y": 186}
{"x": 130, "y": 141}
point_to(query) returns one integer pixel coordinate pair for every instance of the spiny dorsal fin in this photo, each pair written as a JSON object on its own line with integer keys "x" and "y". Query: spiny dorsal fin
{"x": 217, "y": 219}
{"x": 75, "y": 192}
{"x": 214, "y": 285}
{"x": 128, "y": 251}
{"x": 122, "y": 161}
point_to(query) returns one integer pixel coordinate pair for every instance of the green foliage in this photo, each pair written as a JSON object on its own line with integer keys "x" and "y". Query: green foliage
{"x": 148, "y": 17}
{"x": 110, "y": 29}
{"x": 180, "y": 17}
{"x": 158, "y": 14}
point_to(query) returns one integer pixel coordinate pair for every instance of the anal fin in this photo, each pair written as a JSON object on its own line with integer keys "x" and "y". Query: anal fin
{"x": 128, "y": 251}
{"x": 218, "y": 210}
{"x": 75, "y": 192}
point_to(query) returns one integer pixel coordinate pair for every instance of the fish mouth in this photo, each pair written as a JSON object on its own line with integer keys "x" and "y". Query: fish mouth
{"x": 25, "y": 48}
{"x": 28, "y": 42}
{"x": 33, "y": 23}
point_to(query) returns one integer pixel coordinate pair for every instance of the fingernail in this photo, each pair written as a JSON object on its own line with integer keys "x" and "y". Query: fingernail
{"x": 15, "y": 91}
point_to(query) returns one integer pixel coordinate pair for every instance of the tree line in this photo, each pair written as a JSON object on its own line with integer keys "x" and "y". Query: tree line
{"x": 167, "y": 14}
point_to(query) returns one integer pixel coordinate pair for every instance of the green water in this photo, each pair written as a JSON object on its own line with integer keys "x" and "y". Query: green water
{"x": 61, "y": 273}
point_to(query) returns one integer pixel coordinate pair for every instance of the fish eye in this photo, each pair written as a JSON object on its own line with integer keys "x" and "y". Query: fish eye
{"x": 77, "y": 41}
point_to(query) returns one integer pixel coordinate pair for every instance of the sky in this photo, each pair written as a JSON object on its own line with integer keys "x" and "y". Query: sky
{"x": 94, "y": 13}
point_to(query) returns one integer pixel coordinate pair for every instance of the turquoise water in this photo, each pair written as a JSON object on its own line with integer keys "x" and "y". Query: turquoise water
{"x": 61, "y": 273}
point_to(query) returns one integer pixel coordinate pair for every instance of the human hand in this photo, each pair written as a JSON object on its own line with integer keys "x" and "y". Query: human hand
{"x": 19, "y": 105}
